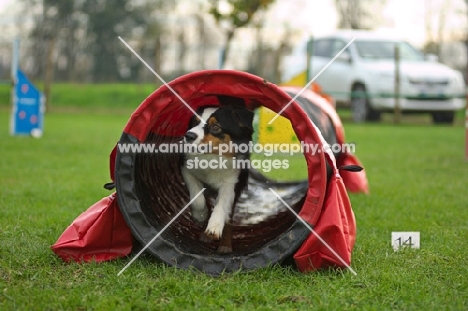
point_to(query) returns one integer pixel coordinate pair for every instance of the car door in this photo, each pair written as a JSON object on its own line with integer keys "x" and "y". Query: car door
{"x": 337, "y": 77}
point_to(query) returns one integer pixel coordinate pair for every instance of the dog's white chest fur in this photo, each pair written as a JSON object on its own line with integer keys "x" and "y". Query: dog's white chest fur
{"x": 212, "y": 169}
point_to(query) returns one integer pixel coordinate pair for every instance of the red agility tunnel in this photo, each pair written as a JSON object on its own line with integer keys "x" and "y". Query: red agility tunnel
{"x": 150, "y": 190}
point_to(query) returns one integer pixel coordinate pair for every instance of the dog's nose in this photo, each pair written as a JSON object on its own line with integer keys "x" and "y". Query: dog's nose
{"x": 190, "y": 137}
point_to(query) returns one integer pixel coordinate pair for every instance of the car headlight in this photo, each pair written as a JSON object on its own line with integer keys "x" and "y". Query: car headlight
{"x": 456, "y": 85}
{"x": 458, "y": 82}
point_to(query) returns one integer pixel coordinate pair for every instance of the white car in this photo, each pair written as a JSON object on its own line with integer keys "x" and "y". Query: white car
{"x": 363, "y": 76}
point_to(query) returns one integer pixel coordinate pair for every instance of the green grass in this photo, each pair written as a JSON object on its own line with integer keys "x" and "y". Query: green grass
{"x": 291, "y": 167}
{"x": 418, "y": 179}
{"x": 67, "y": 97}
{"x": 5, "y": 99}
{"x": 90, "y": 96}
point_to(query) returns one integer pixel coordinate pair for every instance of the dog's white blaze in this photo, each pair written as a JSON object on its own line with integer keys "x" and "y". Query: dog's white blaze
{"x": 199, "y": 128}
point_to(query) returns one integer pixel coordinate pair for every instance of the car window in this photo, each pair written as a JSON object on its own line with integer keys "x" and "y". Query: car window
{"x": 337, "y": 46}
{"x": 322, "y": 47}
{"x": 386, "y": 50}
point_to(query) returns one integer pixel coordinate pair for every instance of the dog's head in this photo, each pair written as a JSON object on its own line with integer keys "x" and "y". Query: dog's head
{"x": 227, "y": 124}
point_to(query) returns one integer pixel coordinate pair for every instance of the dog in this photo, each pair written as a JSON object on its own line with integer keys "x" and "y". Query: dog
{"x": 228, "y": 124}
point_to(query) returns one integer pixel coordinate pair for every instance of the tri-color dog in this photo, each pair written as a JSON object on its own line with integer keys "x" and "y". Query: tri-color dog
{"x": 231, "y": 124}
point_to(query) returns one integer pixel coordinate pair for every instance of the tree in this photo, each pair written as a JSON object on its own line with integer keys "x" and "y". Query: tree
{"x": 150, "y": 41}
{"x": 466, "y": 46}
{"x": 77, "y": 39}
{"x": 235, "y": 14}
{"x": 441, "y": 35}
{"x": 53, "y": 23}
{"x": 107, "y": 20}
{"x": 357, "y": 14}
{"x": 202, "y": 38}
{"x": 434, "y": 22}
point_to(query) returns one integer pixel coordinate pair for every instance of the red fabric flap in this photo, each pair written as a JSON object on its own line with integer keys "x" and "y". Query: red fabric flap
{"x": 98, "y": 234}
{"x": 336, "y": 227}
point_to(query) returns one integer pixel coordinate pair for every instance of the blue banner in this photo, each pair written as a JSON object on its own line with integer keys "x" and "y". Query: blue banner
{"x": 28, "y": 108}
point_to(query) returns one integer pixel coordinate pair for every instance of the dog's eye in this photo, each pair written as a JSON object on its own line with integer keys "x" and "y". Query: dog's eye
{"x": 215, "y": 128}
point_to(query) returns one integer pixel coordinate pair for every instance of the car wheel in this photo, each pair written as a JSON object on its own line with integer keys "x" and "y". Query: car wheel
{"x": 443, "y": 117}
{"x": 360, "y": 109}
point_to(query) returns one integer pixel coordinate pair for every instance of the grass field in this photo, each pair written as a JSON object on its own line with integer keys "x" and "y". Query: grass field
{"x": 418, "y": 180}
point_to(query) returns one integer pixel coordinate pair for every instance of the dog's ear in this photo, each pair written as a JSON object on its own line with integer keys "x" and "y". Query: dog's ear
{"x": 243, "y": 117}
{"x": 225, "y": 100}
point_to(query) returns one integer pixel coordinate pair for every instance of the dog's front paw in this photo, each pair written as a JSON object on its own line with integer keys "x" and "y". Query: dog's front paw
{"x": 215, "y": 227}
